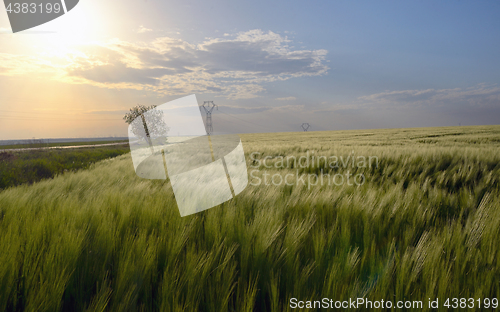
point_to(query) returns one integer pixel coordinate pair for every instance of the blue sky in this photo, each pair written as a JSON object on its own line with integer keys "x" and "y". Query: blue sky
{"x": 270, "y": 65}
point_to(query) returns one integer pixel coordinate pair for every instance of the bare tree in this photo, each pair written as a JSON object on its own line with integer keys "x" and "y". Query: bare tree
{"x": 155, "y": 127}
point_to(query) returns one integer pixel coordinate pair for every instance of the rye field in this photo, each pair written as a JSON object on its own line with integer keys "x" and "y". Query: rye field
{"x": 424, "y": 223}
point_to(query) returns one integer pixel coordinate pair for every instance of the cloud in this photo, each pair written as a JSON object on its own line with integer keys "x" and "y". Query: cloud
{"x": 234, "y": 66}
{"x": 293, "y": 108}
{"x": 107, "y": 112}
{"x": 142, "y": 30}
{"x": 17, "y": 65}
{"x": 477, "y": 96}
{"x": 290, "y": 98}
{"x": 481, "y": 97}
{"x": 242, "y": 110}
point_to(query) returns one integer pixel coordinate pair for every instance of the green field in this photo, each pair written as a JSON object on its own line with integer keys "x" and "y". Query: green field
{"x": 424, "y": 224}
{"x": 20, "y": 167}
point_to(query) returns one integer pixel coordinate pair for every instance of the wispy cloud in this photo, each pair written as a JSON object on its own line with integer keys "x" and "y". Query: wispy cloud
{"x": 143, "y": 29}
{"x": 17, "y": 65}
{"x": 290, "y": 108}
{"x": 234, "y": 66}
{"x": 290, "y": 98}
{"x": 478, "y": 96}
{"x": 107, "y": 112}
{"x": 242, "y": 110}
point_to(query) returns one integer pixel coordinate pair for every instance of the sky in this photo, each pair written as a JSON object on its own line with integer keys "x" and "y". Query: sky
{"x": 269, "y": 65}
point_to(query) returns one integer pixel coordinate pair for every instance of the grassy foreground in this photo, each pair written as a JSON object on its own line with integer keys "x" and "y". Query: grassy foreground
{"x": 425, "y": 224}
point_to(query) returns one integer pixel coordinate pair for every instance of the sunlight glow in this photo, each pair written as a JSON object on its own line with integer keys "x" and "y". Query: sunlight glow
{"x": 81, "y": 25}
